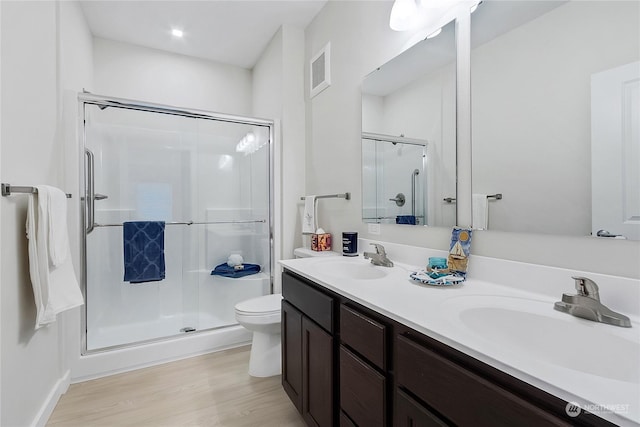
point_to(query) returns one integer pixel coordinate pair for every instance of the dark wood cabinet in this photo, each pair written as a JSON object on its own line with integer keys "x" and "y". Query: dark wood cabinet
{"x": 347, "y": 365}
{"x": 464, "y": 397}
{"x": 409, "y": 413}
{"x": 292, "y": 353}
{"x": 308, "y": 351}
{"x": 317, "y": 375}
{"x": 362, "y": 391}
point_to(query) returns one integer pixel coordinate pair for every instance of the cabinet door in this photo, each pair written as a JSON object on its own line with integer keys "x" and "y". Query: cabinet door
{"x": 292, "y": 353}
{"x": 317, "y": 378}
{"x": 409, "y": 413}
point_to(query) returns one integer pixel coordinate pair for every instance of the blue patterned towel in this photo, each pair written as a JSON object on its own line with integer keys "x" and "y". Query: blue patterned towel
{"x": 143, "y": 251}
{"x": 226, "y": 271}
{"x": 406, "y": 219}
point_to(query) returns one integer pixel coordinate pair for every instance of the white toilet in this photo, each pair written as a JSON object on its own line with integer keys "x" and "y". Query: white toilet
{"x": 261, "y": 315}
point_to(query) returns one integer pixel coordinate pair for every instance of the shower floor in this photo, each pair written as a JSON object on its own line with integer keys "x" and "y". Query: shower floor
{"x": 167, "y": 326}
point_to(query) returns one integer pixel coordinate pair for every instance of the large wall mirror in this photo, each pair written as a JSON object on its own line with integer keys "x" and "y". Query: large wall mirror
{"x": 409, "y": 136}
{"x": 555, "y": 117}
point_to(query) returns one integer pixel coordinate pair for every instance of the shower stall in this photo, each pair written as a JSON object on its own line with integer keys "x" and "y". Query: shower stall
{"x": 208, "y": 177}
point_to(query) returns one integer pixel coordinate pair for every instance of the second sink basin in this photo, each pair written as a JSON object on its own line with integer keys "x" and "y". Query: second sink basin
{"x": 534, "y": 328}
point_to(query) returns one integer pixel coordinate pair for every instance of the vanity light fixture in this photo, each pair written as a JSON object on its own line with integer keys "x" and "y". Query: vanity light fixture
{"x": 475, "y": 7}
{"x": 403, "y": 15}
{"x": 435, "y": 33}
{"x": 177, "y": 33}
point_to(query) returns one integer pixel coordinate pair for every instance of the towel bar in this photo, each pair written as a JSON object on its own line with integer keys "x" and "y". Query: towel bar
{"x": 250, "y": 221}
{"x": 346, "y": 196}
{"x": 497, "y": 196}
{"x": 8, "y": 189}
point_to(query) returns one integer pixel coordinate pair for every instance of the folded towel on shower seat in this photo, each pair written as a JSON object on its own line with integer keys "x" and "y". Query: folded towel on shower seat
{"x": 143, "y": 251}
{"x": 235, "y": 272}
{"x": 406, "y": 219}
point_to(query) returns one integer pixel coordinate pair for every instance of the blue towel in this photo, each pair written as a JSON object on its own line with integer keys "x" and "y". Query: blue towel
{"x": 226, "y": 271}
{"x": 143, "y": 251}
{"x": 406, "y": 219}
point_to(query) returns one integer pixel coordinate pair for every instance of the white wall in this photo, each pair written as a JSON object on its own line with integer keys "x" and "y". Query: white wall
{"x": 127, "y": 71}
{"x": 361, "y": 41}
{"x": 37, "y": 37}
{"x": 278, "y": 93}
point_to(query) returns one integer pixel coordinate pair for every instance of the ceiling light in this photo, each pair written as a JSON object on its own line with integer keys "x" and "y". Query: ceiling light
{"x": 176, "y": 32}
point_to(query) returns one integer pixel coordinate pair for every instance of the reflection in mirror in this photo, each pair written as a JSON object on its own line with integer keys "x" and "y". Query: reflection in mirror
{"x": 411, "y": 101}
{"x": 555, "y": 111}
{"x": 396, "y": 166}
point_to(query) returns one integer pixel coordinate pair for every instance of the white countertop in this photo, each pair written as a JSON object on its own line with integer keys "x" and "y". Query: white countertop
{"x": 573, "y": 373}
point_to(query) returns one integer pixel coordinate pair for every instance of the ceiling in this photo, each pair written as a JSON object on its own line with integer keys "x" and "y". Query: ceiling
{"x": 233, "y": 32}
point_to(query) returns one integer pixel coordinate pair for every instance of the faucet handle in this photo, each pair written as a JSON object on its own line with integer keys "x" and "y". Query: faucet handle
{"x": 586, "y": 287}
{"x": 379, "y": 248}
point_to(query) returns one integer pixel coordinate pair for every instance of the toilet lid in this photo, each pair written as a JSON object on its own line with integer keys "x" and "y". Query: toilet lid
{"x": 261, "y": 305}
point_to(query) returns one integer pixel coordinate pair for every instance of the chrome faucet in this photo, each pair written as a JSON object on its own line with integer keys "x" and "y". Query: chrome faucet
{"x": 379, "y": 257}
{"x": 586, "y": 304}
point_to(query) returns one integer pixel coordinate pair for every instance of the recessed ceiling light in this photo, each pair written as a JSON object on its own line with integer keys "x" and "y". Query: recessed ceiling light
{"x": 176, "y": 32}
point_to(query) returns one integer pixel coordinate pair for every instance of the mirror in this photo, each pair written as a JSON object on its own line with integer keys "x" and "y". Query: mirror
{"x": 409, "y": 136}
{"x": 555, "y": 109}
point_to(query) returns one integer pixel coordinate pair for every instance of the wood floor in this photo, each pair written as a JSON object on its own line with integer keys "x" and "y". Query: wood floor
{"x": 210, "y": 390}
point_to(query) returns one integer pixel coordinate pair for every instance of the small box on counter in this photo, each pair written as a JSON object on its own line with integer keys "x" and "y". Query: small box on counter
{"x": 321, "y": 242}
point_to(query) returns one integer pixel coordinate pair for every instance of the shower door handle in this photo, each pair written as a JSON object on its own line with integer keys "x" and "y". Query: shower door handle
{"x": 90, "y": 194}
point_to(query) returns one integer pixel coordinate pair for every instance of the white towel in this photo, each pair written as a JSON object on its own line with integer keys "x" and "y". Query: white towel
{"x": 55, "y": 288}
{"x": 480, "y": 209}
{"x": 309, "y": 215}
{"x": 54, "y": 202}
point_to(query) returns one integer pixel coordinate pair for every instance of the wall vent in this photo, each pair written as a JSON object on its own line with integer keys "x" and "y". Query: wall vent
{"x": 320, "y": 69}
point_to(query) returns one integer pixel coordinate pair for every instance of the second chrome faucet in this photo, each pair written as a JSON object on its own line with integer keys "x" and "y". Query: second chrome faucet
{"x": 586, "y": 304}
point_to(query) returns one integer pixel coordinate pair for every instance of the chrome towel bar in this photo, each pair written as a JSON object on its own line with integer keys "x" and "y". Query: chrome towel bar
{"x": 250, "y": 221}
{"x": 346, "y": 196}
{"x": 497, "y": 196}
{"x": 8, "y": 189}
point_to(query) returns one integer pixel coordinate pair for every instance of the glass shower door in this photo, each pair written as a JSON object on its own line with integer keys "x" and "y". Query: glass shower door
{"x": 193, "y": 174}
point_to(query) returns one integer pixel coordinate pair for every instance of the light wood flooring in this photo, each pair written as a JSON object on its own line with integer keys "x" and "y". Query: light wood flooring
{"x": 210, "y": 390}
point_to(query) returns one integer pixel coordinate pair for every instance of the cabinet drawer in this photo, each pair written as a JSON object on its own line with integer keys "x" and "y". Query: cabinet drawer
{"x": 315, "y": 304}
{"x": 364, "y": 335}
{"x": 345, "y": 421}
{"x": 467, "y": 398}
{"x": 409, "y": 413}
{"x": 362, "y": 391}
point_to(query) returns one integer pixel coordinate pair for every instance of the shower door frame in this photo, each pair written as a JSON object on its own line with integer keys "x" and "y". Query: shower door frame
{"x": 83, "y": 188}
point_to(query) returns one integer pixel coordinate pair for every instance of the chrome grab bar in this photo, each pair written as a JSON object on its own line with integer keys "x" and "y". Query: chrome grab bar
{"x": 90, "y": 191}
{"x": 414, "y": 175}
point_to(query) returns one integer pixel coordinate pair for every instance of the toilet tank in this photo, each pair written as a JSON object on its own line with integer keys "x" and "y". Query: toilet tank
{"x": 308, "y": 253}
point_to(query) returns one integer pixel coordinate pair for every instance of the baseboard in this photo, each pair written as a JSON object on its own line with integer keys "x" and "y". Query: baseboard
{"x": 60, "y": 387}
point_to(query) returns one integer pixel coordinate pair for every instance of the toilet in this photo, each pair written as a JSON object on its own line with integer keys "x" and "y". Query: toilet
{"x": 261, "y": 316}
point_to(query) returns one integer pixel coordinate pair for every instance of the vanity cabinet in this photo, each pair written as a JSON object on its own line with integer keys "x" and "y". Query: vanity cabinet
{"x": 308, "y": 350}
{"x": 347, "y": 365}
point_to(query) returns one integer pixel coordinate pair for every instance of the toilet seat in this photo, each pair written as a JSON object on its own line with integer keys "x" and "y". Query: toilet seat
{"x": 267, "y": 305}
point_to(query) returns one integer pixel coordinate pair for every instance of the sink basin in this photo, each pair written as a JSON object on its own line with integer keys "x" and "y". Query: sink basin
{"x": 352, "y": 270}
{"x": 536, "y": 330}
